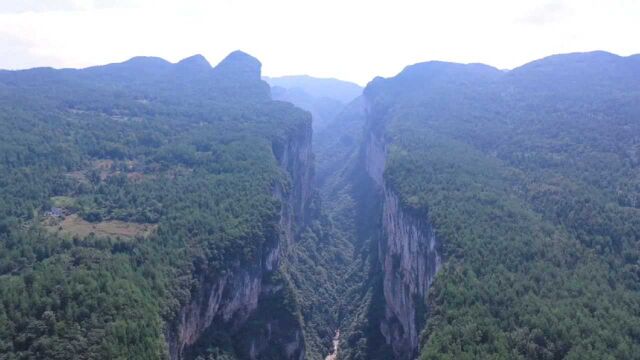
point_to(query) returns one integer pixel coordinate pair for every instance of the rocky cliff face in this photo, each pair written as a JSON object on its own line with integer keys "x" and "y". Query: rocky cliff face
{"x": 410, "y": 260}
{"x": 295, "y": 158}
{"x": 408, "y": 254}
{"x": 227, "y": 301}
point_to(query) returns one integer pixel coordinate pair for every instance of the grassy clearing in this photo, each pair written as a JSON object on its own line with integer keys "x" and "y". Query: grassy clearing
{"x": 75, "y": 225}
{"x": 65, "y": 202}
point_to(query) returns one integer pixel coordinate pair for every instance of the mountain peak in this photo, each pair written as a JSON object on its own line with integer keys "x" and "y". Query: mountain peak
{"x": 240, "y": 64}
{"x": 147, "y": 65}
{"x": 146, "y": 61}
{"x": 195, "y": 62}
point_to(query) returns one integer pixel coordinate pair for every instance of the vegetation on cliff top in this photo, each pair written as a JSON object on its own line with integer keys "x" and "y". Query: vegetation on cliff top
{"x": 183, "y": 147}
{"x": 530, "y": 178}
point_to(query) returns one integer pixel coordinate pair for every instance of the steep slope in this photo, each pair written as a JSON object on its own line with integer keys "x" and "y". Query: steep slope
{"x": 337, "y": 143}
{"x": 520, "y": 181}
{"x": 153, "y": 210}
{"x": 175, "y": 189}
{"x": 352, "y": 203}
{"x": 325, "y": 254}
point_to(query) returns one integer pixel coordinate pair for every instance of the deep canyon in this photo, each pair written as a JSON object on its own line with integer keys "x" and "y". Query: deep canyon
{"x": 450, "y": 211}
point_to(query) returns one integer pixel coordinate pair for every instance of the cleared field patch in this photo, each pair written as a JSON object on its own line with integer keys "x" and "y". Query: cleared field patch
{"x": 75, "y": 225}
{"x": 66, "y": 202}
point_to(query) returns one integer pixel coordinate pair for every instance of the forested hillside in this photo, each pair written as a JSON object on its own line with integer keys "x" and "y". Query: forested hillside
{"x": 130, "y": 190}
{"x": 152, "y": 210}
{"x": 530, "y": 180}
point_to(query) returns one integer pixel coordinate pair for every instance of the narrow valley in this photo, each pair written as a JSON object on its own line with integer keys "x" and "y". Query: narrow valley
{"x": 158, "y": 210}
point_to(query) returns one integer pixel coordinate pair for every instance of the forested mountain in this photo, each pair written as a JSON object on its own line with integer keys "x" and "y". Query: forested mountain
{"x": 323, "y": 98}
{"x": 151, "y": 210}
{"x": 144, "y": 201}
{"x": 509, "y": 210}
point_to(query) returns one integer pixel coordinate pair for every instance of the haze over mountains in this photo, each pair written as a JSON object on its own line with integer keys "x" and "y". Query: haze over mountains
{"x": 323, "y": 98}
{"x": 342, "y": 91}
{"x": 156, "y": 210}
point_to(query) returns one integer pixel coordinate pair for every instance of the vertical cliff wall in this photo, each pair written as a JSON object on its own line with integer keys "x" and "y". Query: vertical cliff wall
{"x": 228, "y": 300}
{"x": 408, "y": 253}
{"x": 295, "y": 158}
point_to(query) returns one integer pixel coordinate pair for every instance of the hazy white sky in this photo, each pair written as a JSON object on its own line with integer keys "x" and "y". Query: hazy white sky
{"x": 351, "y": 40}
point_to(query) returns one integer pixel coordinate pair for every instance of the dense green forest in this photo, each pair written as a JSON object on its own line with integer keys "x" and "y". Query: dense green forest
{"x": 183, "y": 150}
{"x": 130, "y": 192}
{"x": 530, "y": 178}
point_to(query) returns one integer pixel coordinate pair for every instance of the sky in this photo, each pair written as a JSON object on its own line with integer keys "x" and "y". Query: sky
{"x": 346, "y": 39}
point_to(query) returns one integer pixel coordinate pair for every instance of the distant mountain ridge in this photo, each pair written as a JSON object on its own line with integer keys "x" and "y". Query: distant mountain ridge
{"x": 323, "y": 98}
{"x": 461, "y": 212}
{"x": 343, "y": 91}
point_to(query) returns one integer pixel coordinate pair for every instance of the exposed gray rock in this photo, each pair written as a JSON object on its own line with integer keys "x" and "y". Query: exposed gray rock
{"x": 296, "y": 158}
{"x": 376, "y": 154}
{"x": 410, "y": 261}
{"x": 228, "y": 300}
{"x": 408, "y": 254}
